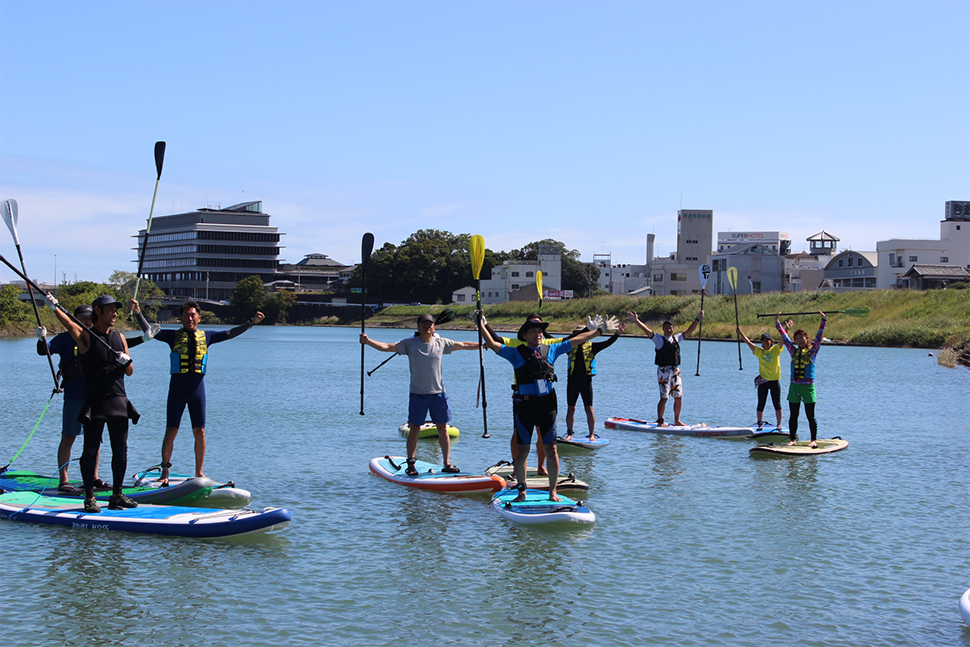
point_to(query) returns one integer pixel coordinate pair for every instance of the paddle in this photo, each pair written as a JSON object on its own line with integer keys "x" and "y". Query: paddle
{"x": 10, "y": 216}
{"x": 366, "y": 247}
{"x": 860, "y": 311}
{"x": 704, "y": 271}
{"x": 477, "y": 249}
{"x": 444, "y": 316}
{"x": 733, "y": 280}
{"x": 539, "y": 288}
{"x": 159, "y": 159}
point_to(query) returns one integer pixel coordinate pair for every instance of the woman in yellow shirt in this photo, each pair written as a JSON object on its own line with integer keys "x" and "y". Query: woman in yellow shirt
{"x": 769, "y": 372}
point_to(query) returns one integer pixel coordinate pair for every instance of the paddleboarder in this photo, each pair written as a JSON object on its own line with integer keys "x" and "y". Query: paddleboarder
{"x": 802, "y": 387}
{"x": 534, "y": 403}
{"x": 668, "y": 364}
{"x": 427, "y": 391}
{"x": 579, "y": 382}
{"x": 186, "y": 387}
{"x": 104, "y": 367}
{"x": 769, "y": 372}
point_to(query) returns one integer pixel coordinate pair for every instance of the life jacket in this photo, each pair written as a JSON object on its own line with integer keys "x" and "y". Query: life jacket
{"x": 104, "y": 377}
{"x": 584, "y": 351}
{"x": 802, "y": 366}
{"x": 71, "y": 369}
{"x": 668, "y": 354}
{"x": 535, "y": 368}
{"x": 189, "y": 353}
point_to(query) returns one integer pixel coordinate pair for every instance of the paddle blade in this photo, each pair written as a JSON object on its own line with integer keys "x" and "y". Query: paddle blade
{"x": 477, "y": 249}
{"x": 733, "y": 278}
{"x": 366, "y": 247}
{"x": 861, "y": 311}
{"x": 704, "y": 271}
{"x": 10, "y": 217}
{"x": 159, "y": 157}
{"x": 444, "y": 316}
{"x": 539, "y": 284}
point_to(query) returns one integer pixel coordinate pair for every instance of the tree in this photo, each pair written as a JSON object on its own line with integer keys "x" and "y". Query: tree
{"x": 247, "y": 297}
{"x": 277, "y": 305}
{"x": 427, "y": 267}
{"x": 149, "y": 295}
{"x": 12, "y": 309}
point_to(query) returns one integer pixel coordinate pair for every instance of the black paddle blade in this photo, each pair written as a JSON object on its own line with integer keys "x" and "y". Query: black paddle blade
{"x": 159, "y": 157}
{"x": 366, "y": 247}
{"x": 444, "y": 316}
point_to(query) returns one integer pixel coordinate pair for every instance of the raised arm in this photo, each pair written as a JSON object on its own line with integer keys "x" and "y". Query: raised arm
{"x": 746, "y": 340}
{"x": 693, "y": 324}
{"x": 633, "y": 318}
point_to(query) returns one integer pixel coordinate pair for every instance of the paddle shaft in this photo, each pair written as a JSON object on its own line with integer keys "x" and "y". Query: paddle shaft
{"x": 700, "y": 335}
{"x": 796, "y": 314}
{"x": 737, "y": 324}
{"x": 159, "y": 161}
{"x": 366, "y": 247}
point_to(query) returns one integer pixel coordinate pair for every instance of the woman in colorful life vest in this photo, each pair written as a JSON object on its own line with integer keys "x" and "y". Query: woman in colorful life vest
{"x": 186, "y": 387}
{"x": 802, "y": 388}
{"x": 534, "y": 405}
{"x": 582, "y": 368}
{"x": 769, "y": 372}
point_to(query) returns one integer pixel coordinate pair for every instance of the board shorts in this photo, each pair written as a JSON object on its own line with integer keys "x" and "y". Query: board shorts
{"x": 535, "y": 412}
{"x": 802, "y": 393}
{"x": 576, "y": 388}
{"x": 186, "y": 390}
{"x": 422, "y": 406}
{"x": 671, "y": 385}
{"x": 70, "y": 425}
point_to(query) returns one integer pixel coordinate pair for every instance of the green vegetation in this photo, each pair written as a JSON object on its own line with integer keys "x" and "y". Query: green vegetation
{"x": 250, "y": 295}
{"x": 905, "y": 318}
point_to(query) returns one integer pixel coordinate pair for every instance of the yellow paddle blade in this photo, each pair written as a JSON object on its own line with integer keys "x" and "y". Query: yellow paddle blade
{"x": 733, "y": 278}
{"x": 539, "y": 284}
{"x": 477, "y": 249}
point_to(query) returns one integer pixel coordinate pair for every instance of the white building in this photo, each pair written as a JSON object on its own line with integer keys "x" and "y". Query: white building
{"x": 464, "y": 296}
{"x": 776, "y": 241}
{"x": 511, "y": 276}
{"x": 898, "y": 255}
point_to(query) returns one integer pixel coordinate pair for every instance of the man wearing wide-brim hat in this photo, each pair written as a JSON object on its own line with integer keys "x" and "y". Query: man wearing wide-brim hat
{"x": 534, "y": 404}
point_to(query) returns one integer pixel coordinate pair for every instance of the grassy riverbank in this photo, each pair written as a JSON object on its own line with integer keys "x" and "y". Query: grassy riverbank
{"x": 907, "y": 318}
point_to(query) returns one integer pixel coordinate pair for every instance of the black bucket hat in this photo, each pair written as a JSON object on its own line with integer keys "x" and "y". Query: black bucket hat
{"x": 531, "y": 323}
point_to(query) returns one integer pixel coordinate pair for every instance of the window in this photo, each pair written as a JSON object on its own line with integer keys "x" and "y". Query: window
{"x": 892, "y": 258}
{"x": 850, "y": 261}
{"x": 841, "y": 262}
{"x": 528, "y": 274}
{"x": 515, "y": 273}
{"x": 912, "y": 259}
{"x": 515, "y": 286}
{"x": 461, "y": 297}
{"x": 678, "y": 276}
{"x": 658, "y": 278}
{"x": 944, "y": 259}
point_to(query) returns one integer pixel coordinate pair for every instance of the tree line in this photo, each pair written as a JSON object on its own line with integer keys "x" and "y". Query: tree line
{"x": 431, "y": 264}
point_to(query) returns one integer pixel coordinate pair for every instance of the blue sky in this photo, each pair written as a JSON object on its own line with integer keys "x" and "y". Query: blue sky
{"x": 587, "y": 122}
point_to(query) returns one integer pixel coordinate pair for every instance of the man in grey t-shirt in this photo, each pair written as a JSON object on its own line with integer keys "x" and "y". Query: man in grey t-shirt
{"x": 428, "y": 397}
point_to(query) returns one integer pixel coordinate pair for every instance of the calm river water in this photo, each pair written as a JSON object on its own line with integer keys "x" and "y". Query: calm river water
{"x": 696, "y": 543}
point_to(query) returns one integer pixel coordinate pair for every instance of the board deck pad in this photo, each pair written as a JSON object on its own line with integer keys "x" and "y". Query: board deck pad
{"x": 801, "y": 448}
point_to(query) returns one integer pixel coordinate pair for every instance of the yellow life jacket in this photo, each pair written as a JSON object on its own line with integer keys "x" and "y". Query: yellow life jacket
{"x": 182, "y": 362}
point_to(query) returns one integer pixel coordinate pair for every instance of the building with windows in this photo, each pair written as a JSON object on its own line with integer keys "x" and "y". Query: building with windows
{"x": 776, "y": 241}
{"x": 760, "y": 269}
{"x": 678, "y": 275}
{"x": 314, "y": 272}
{"x": 851, "y": 270}
{"x": 511, "y": 276}
{"x": 203, "y": 254}
{"x": 897, "y": 255}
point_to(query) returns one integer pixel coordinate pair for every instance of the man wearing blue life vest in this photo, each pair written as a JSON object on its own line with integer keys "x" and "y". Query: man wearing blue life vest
{"x": 427, "y": 397}
{"x": 668, "y": 364}
{"x": 579, "y": 383}
{"x": 534, "y": 405}
{"x": 186, "y": 387}
{"x": 802, "y": 387}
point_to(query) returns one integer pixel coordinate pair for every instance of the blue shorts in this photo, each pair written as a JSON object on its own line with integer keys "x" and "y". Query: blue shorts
{"x": 70, "y": 425}
{"x": 435, "y": 404}
{"x": 186, "y": 390}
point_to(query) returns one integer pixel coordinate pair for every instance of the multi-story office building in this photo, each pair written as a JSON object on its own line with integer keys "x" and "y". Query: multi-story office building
{"x": 695, "y": 239}
{"x": 898, "y": 255}
{"x": 204, "y": 253}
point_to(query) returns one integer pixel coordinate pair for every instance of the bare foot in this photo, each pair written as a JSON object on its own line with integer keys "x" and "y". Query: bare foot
{"x": 568, "y": 436}
{"x": 790, "y": 443}
{"x": 520, "y": 498}
{"x": 162, "y": 482}
{"x": 678, "y": 423}
{"x": 554, "y": 497}
{"x": 542, "y": 472}
{"x": 662, "y": 424}
{"x": 813, "y": 445}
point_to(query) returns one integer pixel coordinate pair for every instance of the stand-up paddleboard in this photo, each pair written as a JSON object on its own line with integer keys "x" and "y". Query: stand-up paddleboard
{"x": 769, "y": 435}
{"x": 428, "y": 430}
{"x": 535, "y": 481}
{"x": 430, "y": 477}
{"x": 537, "y": 509}
{"x": 965, "y": 606}
{"x": 801, "y": 448}
{"x": 583, "y": 441}
{"x": 699, "y": 431}
{"x": 190, "y": 491}
{"x": 174, "y": 521}
{"x": 222, "y": 495}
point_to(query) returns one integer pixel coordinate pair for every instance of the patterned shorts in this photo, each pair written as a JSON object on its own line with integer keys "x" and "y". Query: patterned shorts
{"x": 670, "y": 383}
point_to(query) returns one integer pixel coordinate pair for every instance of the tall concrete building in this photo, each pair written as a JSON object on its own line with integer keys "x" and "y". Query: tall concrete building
{"x": 204, "y": 253}
{"x": 678, "y": 274}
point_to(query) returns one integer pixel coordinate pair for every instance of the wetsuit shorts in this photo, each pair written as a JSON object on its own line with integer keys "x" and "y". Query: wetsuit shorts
{"x": 434, "y": 405}
{"x": 802, "y": 393}
{"x": 186, "y": 389}
{"x": 535, "y": 412}
{"x": 579, "y": 387}
{"x": 670, "y": 383}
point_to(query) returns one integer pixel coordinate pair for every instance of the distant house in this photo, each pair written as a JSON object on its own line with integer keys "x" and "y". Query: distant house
{"x": 851, "y": 270}
{"x": 932, "y": 277}
{"x": 314, "y": 272}
{"x": 464, "y": 296}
